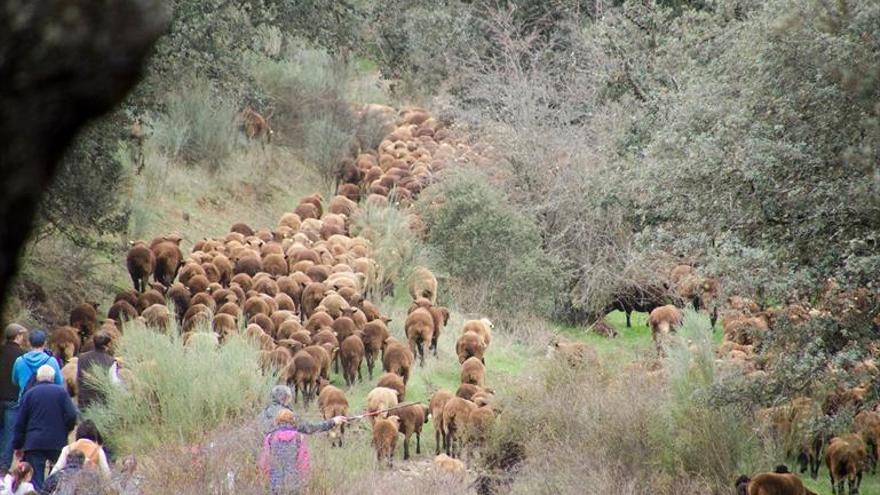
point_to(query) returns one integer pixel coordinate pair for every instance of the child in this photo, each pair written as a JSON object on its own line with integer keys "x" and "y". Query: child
{"x": 18, "y": 482}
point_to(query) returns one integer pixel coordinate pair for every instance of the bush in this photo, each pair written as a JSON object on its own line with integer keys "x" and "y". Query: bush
{"x": 177, "y": 393}
{"x": 481, "y": 239}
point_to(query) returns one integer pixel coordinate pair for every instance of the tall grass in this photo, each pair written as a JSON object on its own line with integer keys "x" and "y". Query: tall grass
{"x": 177, "y": 393}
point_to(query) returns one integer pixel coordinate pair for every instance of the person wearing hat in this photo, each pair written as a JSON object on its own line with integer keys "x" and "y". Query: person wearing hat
{"x": 26, "y": 365}
{"x": 46, "y": 416}
{"x": 15, "y": 336}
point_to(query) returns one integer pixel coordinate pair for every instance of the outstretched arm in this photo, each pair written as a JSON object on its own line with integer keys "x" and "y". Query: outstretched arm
{"x": 307, "y": 428}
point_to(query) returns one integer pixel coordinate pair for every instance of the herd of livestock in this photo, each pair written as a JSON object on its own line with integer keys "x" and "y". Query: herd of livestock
{"x": 299, "y": 290}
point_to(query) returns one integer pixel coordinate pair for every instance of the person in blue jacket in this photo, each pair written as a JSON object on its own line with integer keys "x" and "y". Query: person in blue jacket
{"x": 46, "y": 416}
{"x": 26, "y": 365}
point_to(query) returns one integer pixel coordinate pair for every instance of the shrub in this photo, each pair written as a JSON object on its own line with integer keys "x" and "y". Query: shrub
{"x": 481, "y": 238}
{"x": 177, "y": 393}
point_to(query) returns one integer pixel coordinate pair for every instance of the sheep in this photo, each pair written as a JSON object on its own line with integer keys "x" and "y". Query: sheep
{"x": 303, "y": 372}
{"x": 148, "y": 298}
{"x": 479, "y": 422}
{"x": 344, "y": 327}
{"x": 473, "y": 372}
{"x": 85, "y": 319}
{"x": 436, "y": 405}
{"x": 452, "y": 468}
{"x": 311, "y": 297}
{"x": 845, "y": 458}
{"x": 65, "y": 343}
{"x": 69, "y": 372}
{"x": 385, "y": 438}
{"x": 374, "y": 336}
{"x": 777, "y": 483}
{"x": 169, "y": 259}
{"x": 663, "y": 321}
{"x": 157, "y": 316}
{"x": 394, "y": 382}
{"x": 482, "y": 327}
{"x": 470, "y": 345}
{"x": 122, "y": 311}
{"x": 412, "y": 418}
{"x": 140, "y": 263}
{"x": 441, "y": 318}
{"x": 397, "y": 359}
{"x": 573, "y": 353}
{"x": 322, "y": 357}
{"x": 419, "y": 328}
{"x": 276, "y": 360}
{"x": 637, "y": 298}
{"x": 331, "y": 403}
{"x": 454, "y": 423}
{"x": 867, "y": 424}
{"x": 423, "y": 283}
{"x": 351, "y": 353}
{"x": 315, "y": 200}
{"x": 180, "y": 296}
{"x": 381, "y": 398}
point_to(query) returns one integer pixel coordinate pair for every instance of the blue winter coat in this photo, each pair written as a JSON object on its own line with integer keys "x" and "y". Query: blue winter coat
{"x": 45, "y": 416}
{"x": 28, "y": 364}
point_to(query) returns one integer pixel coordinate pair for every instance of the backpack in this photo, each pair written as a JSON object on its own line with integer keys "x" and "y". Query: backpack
{"x": 90, "y": 449}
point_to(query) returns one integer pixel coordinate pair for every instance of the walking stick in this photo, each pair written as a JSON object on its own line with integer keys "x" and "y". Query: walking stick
{"x": 380, "y": 411}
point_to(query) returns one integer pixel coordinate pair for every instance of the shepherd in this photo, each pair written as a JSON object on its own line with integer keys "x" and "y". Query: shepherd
{"x": 285, "y": 455}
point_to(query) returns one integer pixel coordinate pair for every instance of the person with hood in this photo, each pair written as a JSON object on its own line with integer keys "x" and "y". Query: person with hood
{"x": 15, "y": 337}
{"x": 285, "y": 455}
{"x": 45, "y": 417}
{"x": 26, "y": 365}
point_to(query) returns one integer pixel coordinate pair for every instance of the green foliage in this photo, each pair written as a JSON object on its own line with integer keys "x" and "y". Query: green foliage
{"x": 175, "y": 392}
{"x": 482, "y": 239}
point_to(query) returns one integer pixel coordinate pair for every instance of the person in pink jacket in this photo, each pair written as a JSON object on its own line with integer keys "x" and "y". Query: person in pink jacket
{"x": 285, "y": 455}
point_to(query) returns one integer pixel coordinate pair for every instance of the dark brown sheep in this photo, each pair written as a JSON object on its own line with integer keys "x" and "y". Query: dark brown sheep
{"x": 225, "y": 269}
{"x": 331, "y": 403}
{"x": 775, "y": 483}
{"x": 474, "y": 372}
{"x": 303, "y": 373}
{"x": 385, "y": 438}
{"x": 141, "y": 262}
{"x": 255, "y": 305}
{"x": 436, "y": 405}
{"x": 275, "y": 265}
{"x": 419, "y": 328}
{"x": 312, "y": 296}
{"x": 344, "y": 327}
{"x": 374, "y": 335}
{"x": 351, "y": 353}
{"x": 249, "y": 264}
{"x": 197, "y": 283}
{"x": 242, "y": 228}
{"x": 394, "y": 382}
{"x": 845, "y": 458}
{"x": 129, "y": 296}
{"x": 122, "y": 311}
{"x": 85, "y": 319}
{"x": 398, "y": 359}
{"x": 65, "y": 343}
{"x": 470, "y": 345}
{"x": 349, "y": 191}
{"x": 149, "y": 298}
{"x": 168, "y": 261}
{"x": 455, "y": 423}
{"x": 441, "y": 318}
{"x": 412, "y": 418}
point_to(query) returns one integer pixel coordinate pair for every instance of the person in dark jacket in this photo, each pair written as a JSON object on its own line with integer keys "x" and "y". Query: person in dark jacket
{"x": 92, "y": 363}
{"x": 15, "y": 336}
{"x": 28, "y": 363}
{"x": 45, "y": 416}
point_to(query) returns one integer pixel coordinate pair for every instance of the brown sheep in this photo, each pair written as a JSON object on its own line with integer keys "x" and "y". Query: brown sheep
{"x": 122, "y": 311}
{"x": 275, "y": 265}
{"x": 385, "y": 438}
{"x": 454, "y": 424}
{"x": 322, "y": 357}
{"x": 85, "y": 319}
{"x": 351, "y": 353}
{"x": 312, "y": 295}
{"x": 242, "y": 228}
{"x": 398, "y": 359}
{"x": 319, "y": 321}
{"x": 412, "y": 418}
{"x": 180, "y": 296}
{"x": 344, "y": 327}
{"x": 452, "y": 468}
{"x": 776, "y": 483}
{"x": 264, "y": 322}
{"x": 436, "y": 405}
{"x": 374, "y": 335}
{"x": 419, "y": 328}
{"x": 250, "y": 264}
{"x": 69, "y": 372}
{"x": 141, "y": 262}
{"x": 381, "y": 398}
{"x": 303, "y": 372}
{"x": 169, "y": 259}
{"x": 572, "y": 353}
{"x": 342, "y": 205}
{"x": 315, "y": 200}
{"x": 663, "y": 321}
{"x": 470, "y": 345}
{"x": 255, "y": 305}
{"x": 148, "y": 298}
{"x": 867, "y": 424}
{"x": 423, "y": 283}
{"x": 845, "y": 458}
{"x": 157, "y": 316}
{"x": 394, "y": 382}
{"x": 441, "y": 318}
{"x": 276, "y": 360}
{"x": 479, "y": 422}
{"x": 474, "y": 372}
{"x": 482, "y": 327}
{"x": 64, "y": 342}
{"x": 331, "y": 403}
{"x": 224, "y": 325}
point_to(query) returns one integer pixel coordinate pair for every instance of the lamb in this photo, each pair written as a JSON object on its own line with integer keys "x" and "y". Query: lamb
{"x": 454, "y": 423}
{"x": 331, "y": 403}
{"x": 381, "y": 398}
{"x": 419, "y": 327}
{"x": 663, "y": 321}
{"x": 397, "y": 359}
{"x": 412, "y": 418}
{"x": 573, "y": 353}
{"x": 374, "y": 336}
{"x": 423, "y": 283}
{"x": 351, "y": 353}
{"x": 436, "y": 405}
{"x": 303, "y": 372}
{"x": 473, "y": 372}
{"x": 452, "y": 468}
{"x": 385, "y": 438}
{"x": 141, "y": 262}
{"x": 470, "y": 345}
{"x": 845, "y": 458}
{"x": 394, "y": 382}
